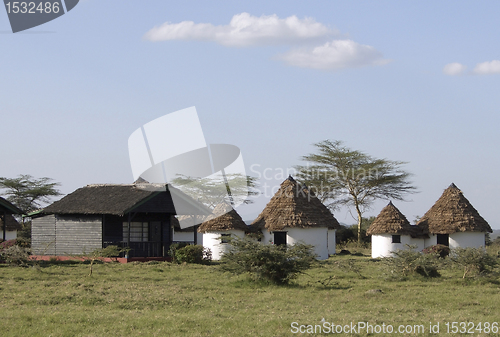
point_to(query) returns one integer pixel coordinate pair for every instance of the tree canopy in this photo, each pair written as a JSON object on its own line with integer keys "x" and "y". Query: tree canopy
{"x": 340, "y": 176}
{"x": 29, "y": 193}
{"x": 210, "y": 191}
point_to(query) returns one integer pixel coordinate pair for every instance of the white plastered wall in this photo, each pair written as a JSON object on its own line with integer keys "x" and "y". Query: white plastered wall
{"x": 10, "y": 235}
{"x": 467, "y": 239}
{"x": 460, "y": 239}
{"x": 268, "y": 237}
{"x": 317, "y": 237}
{"x": 331, "y": 241}
{"x": 187, "y": 237}
{"x": 382, "y": 245}
{"x": 212, "y": 240}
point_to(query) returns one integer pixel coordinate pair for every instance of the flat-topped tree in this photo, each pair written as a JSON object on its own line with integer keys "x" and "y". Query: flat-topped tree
{"x": 340, "y": 176}
{"x": 29, "y": 193}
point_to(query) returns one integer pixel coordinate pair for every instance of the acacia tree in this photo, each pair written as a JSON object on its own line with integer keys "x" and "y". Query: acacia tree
{"x": 340, "y": 176}
{"x": 29, "y": 193}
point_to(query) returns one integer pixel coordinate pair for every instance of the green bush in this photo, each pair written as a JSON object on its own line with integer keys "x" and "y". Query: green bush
{"x": 275, "y": 264}
{"x": 474, "y": 261}
{"x": 193, "y": 254}
{"x": 406, "y": 262}
{"x": 15, "y": 255}
{"x": 174, "y": 247}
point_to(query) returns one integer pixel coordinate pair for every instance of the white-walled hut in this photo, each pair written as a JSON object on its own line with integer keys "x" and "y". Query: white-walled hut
{"x": 295, "y": 215}
{"x": 8, "y": 223}
{"x": 223, "y": 223}
{"x": 454, "y": 222}
{"x": 391, "y": 231}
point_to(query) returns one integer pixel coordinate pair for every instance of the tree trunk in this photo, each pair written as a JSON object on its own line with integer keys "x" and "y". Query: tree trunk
{"x": 359, "y": 221}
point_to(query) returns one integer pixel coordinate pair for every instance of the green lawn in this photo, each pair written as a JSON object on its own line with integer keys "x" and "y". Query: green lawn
{"x": 164, "y": 299}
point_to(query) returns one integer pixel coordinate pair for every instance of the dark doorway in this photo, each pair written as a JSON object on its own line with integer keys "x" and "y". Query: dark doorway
{"x": 280, "y": 238}
{"x": 155, "y": 231}
{"x": 443, "y": 239}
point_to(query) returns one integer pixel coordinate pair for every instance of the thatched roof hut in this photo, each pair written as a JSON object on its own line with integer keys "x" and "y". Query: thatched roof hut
{"x": 453, "y": 213}
{"x": 296, "y": 206}
{"x": 392, "y": 221}
{"x": 223, "y": 218}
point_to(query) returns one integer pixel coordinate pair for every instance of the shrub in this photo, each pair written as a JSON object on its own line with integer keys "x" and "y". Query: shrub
{"x": 406, "y": 262}
{"x": 15, "y": 255}
{"x": 272, "y": 263}
{"x": 441, "y": 250}
{"x": 174, "y": 247}
{"x": 24, "y": 235}
{"x": 474, "y": 261}
{"x": 7, "y": 244}
{"x": 193, "y": 254}
{"x": 98, "y": 254}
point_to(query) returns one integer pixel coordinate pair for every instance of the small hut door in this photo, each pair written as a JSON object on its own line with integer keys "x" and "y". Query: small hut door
{"x": 280, "y": 238}
{"x": 443, "y": 239}
{"x": 155, "y": 238}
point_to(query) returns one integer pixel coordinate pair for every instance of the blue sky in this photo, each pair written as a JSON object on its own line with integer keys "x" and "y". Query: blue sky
{"x": 408, "y": 81}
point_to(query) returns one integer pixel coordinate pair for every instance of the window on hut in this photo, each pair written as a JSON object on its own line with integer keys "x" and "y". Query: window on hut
{"x": 224, "y": 238}
{"x": 396, "y": 239}
{"x": 138, "y": 231}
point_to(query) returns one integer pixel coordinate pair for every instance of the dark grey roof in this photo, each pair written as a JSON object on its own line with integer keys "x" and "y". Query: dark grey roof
{"x": 121, "y": 199}
{"x": 12, "y": 223}
{"x": 8, "y": 207}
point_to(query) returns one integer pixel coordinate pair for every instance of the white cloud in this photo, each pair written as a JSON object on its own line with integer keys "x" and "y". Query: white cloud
{"x": 492, "y": 67}
{"x": 454, "y": 69}
{"x": 337, "y": 54}
{"x": 244, "y": 30}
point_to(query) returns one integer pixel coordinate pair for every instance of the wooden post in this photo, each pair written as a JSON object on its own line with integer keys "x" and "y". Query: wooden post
{"x": 4, "y": 219}
{"x": 128, "y": 236}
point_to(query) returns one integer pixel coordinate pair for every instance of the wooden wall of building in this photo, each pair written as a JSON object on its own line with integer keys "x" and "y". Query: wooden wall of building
{"x": 78, "y": 234}
{"x": 66, "y": 234}
{"x": 43, "y": 235}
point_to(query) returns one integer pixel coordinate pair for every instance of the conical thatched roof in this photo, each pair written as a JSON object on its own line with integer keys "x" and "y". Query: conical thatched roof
{"x": 392, "y": 221}
{"x": 294, "y": 206}
{"x": 223, "y": 218}
{"x": 453, "y": 213}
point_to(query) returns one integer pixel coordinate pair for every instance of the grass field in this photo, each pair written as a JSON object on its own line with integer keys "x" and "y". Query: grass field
{"x": 164, "y": 299}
